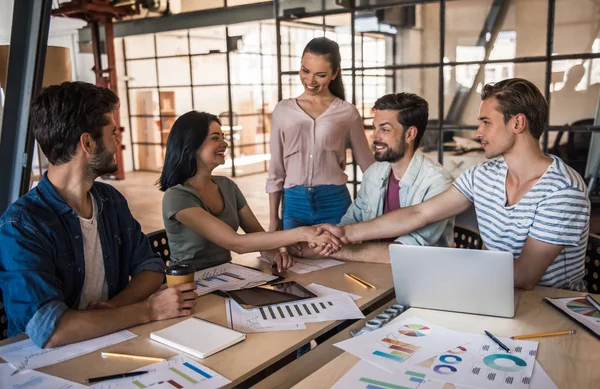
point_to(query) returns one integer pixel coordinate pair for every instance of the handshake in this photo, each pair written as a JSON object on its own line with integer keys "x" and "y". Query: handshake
{"x": 324, "y": 240}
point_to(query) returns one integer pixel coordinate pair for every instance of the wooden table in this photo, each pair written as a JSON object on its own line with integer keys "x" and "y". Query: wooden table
{"x": 240, "y": 362}
{"x": 572, "y": 361}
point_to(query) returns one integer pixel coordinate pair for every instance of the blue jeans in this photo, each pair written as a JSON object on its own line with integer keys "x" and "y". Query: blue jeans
{"x": 307, "y": 206}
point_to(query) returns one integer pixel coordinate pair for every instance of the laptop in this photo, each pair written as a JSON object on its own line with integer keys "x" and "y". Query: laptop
{"x": 459, "y": 280}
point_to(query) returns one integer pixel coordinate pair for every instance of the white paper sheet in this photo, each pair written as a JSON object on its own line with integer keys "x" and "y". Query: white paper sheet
{"x": 177, "y": 372}
{"x": 482, "y": 363}
{"x": 229, "y": 276}
{"x": 303, "y": 266}
{"x": 31, "y": 379}
{"x": 323, "y": 291}
{"x": 248, "y": 321}
{"x": 402, "y": 340}
{"x": 26, "y": 355}
{"x": 364, "y": 374}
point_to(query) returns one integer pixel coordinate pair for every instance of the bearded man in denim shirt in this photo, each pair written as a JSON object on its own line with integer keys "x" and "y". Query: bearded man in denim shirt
{"x": 401, "y": 177}
{"x": 74, "y": 263}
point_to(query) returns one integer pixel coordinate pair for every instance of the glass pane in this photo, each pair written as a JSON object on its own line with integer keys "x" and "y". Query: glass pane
{"x": 246, "y": 99}
{"x": 143, "y": 102}
{"x": 515, "y": 29}
{"x": 250, "y": 37}
{"x": 205, "y": 40}
{"x": 576, "y": 27}
{"x": 463, "y": 86}
{"x": 245, "y": 69}
{"x": 291, "y": 86}
{"x": 174, "y": 71}
{"x": 269, "y": 40}
{"x": 172, "y": 43}
{"x": 269, "y": 69}
{"x": 142, "y": 73}
{"x": 139, "y": 46}
{"x": 209, "y": 69}
{"x": 145, "y": 129}
{"x": 250, "y": 160}
{"x": 175, "y": 101}
{"x": 270, "y": 94}
{"x": 149, "y": 157}
{"x": 575, "y": 91}
{"x": 371, "y": 85}
{"x": 303, "y": 6}
{"x": 211, "y": 99}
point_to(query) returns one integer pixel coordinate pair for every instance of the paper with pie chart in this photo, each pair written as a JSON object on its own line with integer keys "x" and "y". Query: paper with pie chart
{"x": 401, "y": 341}
{"x": 481, "y": 363}
{"x": 580, "y": 310}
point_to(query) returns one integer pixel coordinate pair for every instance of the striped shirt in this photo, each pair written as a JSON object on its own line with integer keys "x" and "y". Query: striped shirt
{"x": 556, "y": 210}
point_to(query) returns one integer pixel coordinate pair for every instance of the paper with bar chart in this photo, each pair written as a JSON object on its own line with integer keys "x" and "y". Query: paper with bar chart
{"x": 333, "y": 307}
{"x": 483, "y": 364}
{"x": 248, "y": 320}
{"x": 580, "y": 310}
{"x": 31, "y": 379}
{"x": 179, "y": 372}
{"x": 26, "y": 355}
{"x": 399, "y": 341}
{"x": 229, "y": 276}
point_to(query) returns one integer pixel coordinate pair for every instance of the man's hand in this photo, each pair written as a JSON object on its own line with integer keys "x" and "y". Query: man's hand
{"x": 283, "y": 260}
{"x": 322, "y": 241}
{"x": 168, "y": 303}
{"x": 339, "y": 232}
{"x": 294, "y": 249}
{"x": 309, "y": 253}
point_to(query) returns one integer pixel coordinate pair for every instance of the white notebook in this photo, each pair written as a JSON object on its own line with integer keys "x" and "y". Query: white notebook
{"x": 198, "y": 337}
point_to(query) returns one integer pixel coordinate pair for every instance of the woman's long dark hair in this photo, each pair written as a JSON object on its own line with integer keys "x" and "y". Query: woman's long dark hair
{"x": 331, "y": 50}
{"x": 185, "y": 138}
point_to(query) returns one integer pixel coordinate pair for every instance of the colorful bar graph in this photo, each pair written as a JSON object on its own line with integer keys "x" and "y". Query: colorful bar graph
{"x": 215, "y": 278}
{"x": 139, "y": 384}
{"x": 197, "y": 370}
{"x": 393, "y": 357}
{"x": 183, "y": 375}
{"x": 175, "y": 384}
{"x": 373, "y": 387}
{"x": 381, "y": 384}
{"x": 414, "y": 376}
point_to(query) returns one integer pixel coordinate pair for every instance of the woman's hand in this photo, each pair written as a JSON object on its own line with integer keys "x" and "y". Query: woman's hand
{"x": 323, "y": 242}
{"x": 281, "y": 258}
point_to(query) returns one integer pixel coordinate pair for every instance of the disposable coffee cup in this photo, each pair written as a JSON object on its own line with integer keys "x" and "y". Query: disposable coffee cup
{"x": 179, "y": 274}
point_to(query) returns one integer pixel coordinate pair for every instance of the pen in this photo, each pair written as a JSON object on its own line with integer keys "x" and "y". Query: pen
{"x": 363, "y": 283}
{"x": 498, "y": 342}
{"x": 140, "y": 357}
{"x": 115, "y": 376}
{"x": 543, "y": 334}
{"x": 594, "y": 303}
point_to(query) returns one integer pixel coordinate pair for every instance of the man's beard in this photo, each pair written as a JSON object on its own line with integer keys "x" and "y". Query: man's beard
{"x": 101, "y": 162}
{"x": 391, "y": 155}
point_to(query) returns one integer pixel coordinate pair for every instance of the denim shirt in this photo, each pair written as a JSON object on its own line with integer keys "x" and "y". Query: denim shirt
{"x": 42, "y": 266}
{"x": 422, "y": 180}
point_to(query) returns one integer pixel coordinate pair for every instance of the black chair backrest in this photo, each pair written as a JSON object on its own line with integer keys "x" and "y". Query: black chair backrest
{"x": 592, "y": 265}
{"x": 160, "y": 244}
{"x": 466, "y": 239}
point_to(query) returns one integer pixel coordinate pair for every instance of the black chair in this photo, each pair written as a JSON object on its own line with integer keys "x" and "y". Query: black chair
{"x": 160, "y": 244}
{"x": 3, "y": 319}
{"x": 467, "y": 239}
{"x": 592, "y": 265}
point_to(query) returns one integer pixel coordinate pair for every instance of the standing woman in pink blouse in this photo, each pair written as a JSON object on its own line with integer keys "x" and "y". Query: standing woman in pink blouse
{"x": 309, "y": 135}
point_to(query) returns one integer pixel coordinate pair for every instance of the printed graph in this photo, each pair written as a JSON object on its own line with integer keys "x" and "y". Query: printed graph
{"x": 583, "y": 307}
{"x": 275, "y": 312}
{"x": 228, "y": 276}
{"x": 397, "y": 350}
{"x": 415, "y": 330}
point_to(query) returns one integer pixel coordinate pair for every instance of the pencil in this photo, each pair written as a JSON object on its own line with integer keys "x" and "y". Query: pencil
{"x": 357, "y": 281}
{"x": 543, "y": 334}
{"x": 360, "y": 281}
{"x": 140, "y": 357}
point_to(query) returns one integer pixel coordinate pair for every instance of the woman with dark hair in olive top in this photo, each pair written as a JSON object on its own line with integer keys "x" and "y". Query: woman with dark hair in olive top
{"x": 202, "y": 212}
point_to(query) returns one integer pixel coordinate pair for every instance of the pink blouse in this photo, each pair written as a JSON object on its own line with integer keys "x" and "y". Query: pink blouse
{"x": 312, "y": 152}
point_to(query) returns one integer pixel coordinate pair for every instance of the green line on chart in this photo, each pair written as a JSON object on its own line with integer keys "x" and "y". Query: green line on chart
{"x": 139, "y": 384}
{"x": 381, "y": 383}
{"x": 183, "y": 375}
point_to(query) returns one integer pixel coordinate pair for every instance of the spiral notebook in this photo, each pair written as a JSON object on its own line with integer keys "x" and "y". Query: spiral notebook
{"x": 198, "y": 337}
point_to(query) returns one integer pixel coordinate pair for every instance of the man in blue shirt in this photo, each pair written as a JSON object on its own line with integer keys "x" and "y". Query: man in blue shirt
{"x": 74, "y": 263}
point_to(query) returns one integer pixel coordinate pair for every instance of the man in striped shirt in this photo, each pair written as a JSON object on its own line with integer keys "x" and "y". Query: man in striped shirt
{"x": 527, "y": 203}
